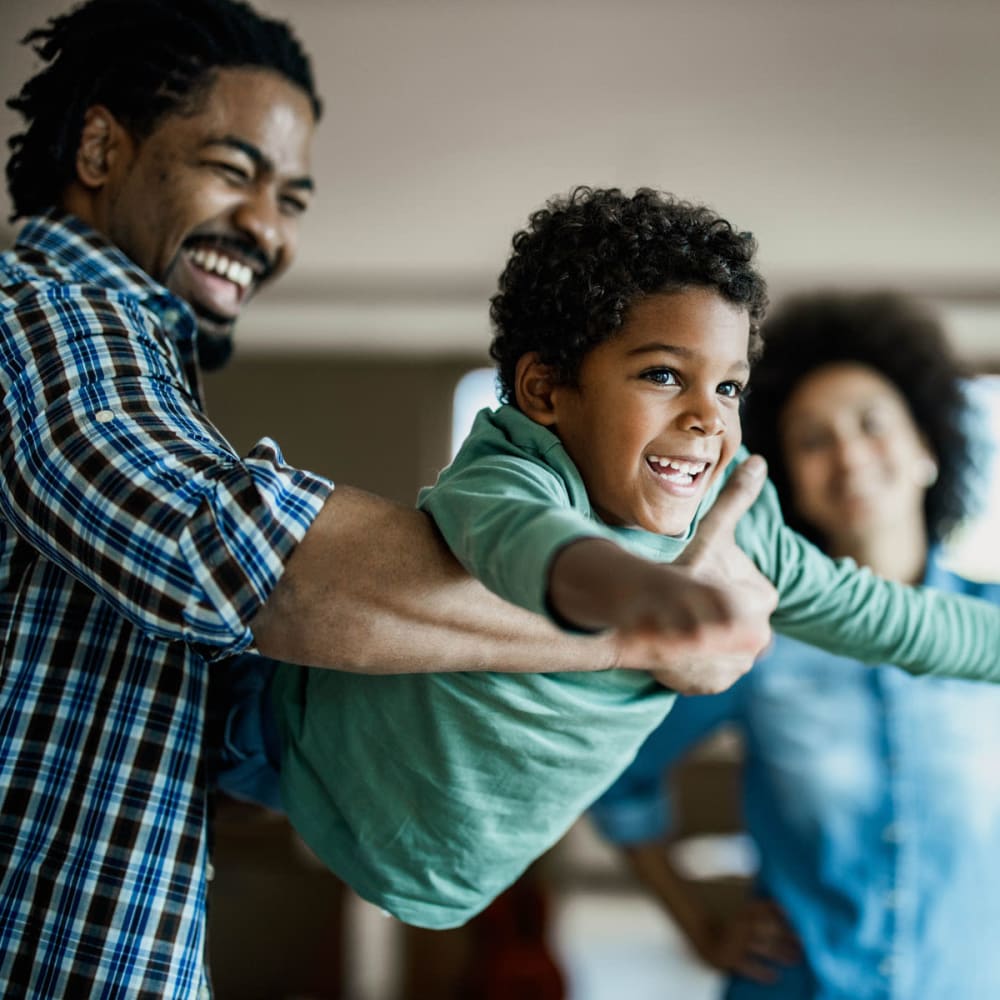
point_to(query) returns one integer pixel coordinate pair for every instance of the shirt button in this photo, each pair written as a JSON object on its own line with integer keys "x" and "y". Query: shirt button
{"x": 891, "y": 834}
{"x": 204, "y": 993}
{"x": 210, "y": 872}
{"x": 104, "y": 416}
{"x": 171, "y": 317}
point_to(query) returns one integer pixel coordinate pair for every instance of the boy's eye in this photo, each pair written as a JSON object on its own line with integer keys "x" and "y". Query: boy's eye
{"x": 731, "y": 390}
{"x": 660, "y": 376}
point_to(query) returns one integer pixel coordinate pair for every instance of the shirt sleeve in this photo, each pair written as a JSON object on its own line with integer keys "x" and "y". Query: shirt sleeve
{"x": 112, "y": 471}
{"x": 637, "y": 807}
{"x": 847, "y": 610}
{"x": 506, "y": 517}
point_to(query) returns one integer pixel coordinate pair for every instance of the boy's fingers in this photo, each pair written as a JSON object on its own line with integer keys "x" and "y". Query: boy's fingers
{"x": 736, "y": 498}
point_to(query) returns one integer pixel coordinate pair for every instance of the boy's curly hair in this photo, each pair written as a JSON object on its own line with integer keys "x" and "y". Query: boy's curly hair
{"x": 900, "y": 340}
{"x": 585, "y": 258}
{"x": 143, "y": 60}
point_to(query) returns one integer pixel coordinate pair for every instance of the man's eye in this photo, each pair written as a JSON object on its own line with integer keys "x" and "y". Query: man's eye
{"x": 660, "y": 376}
{"x": 292, "y": 205}
{"x": 233, "y": 172}
{"x": 731, "y": 390}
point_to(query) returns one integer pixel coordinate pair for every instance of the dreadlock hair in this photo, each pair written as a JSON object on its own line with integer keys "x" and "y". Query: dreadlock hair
{"x": 894, "y": 336}
{"x": 142, "y": 59}
{"x": 586, "y": 258}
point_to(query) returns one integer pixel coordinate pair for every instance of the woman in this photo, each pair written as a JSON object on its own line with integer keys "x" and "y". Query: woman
{"x": 873, "y": 796}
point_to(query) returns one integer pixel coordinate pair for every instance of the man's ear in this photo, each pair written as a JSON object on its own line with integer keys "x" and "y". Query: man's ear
{"x": 533, "y": 386}
{"x": 101, "y": 141}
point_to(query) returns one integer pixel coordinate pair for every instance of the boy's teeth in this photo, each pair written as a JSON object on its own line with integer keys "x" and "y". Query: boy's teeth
{"x": 687, "y": 468}
{"x": 226, "y": 267}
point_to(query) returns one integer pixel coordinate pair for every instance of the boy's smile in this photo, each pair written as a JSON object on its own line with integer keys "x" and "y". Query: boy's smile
{"x": 654, "y": 416}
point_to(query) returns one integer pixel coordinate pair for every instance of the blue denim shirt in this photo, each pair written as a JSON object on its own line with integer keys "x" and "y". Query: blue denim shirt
{"x": 874, "y": 800}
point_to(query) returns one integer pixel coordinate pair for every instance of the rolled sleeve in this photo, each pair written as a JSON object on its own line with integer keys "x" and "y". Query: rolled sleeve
{"x": 115, "y": 474}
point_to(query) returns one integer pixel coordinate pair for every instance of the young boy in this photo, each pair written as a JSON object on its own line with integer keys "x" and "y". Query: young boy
{"x": 625, "y": 327}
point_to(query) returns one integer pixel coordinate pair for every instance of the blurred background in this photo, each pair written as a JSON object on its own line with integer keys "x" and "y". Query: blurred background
{"x": 858, "y": 142}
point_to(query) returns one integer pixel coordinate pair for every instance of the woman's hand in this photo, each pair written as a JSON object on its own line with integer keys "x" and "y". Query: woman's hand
{"x": 751, "y": 944}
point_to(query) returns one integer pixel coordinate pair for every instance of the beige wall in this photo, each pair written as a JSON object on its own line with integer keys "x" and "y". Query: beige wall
{"x": 383, "y": 425}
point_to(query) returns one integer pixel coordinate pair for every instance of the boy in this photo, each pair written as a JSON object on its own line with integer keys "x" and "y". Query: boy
{"x": 625, "y": 327}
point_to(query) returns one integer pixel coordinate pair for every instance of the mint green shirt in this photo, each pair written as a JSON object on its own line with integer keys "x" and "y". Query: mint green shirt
{"x": 431, "y": 793}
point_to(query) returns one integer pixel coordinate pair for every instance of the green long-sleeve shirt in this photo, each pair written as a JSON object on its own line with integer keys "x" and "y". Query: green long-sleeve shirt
{"x": 430, "y": 793}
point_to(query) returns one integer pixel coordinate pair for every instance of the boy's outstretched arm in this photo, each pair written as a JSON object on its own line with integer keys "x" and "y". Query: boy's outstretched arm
{"x": 372, "y": 588}
{"x": 698, "y": 623}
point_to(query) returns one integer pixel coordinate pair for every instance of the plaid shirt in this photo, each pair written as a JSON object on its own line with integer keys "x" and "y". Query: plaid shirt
{"x": 135, "y": 546}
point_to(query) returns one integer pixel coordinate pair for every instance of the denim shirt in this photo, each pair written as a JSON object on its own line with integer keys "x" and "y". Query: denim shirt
{"x": 874, "y": 800}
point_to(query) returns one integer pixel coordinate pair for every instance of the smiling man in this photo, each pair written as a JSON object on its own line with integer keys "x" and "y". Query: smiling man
{"x": 230, "y": 172}
{"x": 160, "y": 178}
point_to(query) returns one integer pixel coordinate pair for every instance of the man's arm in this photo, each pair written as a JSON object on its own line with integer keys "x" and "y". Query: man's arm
{"x": 372, "y": 588}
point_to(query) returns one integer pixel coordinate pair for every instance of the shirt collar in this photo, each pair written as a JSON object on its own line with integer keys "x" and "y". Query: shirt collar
{"x": 937, "y": 576}
{"x": 81, "y": 255}
{"x": 85, "y": 256}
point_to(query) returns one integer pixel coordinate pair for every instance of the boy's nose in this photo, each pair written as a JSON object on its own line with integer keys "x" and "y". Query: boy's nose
{"x": 703, "y": 416}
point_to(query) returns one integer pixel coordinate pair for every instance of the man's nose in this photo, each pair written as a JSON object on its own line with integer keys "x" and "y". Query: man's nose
{"x": 259, "y": 217}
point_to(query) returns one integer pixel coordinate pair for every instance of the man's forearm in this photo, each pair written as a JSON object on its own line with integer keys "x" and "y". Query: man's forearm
{"x": 372, "y": 588}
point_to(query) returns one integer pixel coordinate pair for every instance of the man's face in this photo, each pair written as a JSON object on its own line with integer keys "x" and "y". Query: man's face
{"x": 209, "y": 203}
{"x": 654, "y": 418}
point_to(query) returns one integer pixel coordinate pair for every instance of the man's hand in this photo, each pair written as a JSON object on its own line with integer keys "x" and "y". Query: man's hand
{"x": 698, "y": 624}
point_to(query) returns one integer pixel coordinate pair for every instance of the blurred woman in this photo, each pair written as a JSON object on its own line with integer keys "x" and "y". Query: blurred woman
{"x": 872, "y": 796}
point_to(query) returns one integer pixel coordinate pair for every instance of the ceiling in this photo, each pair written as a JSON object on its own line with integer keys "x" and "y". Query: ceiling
{"x": 858, "y": 140}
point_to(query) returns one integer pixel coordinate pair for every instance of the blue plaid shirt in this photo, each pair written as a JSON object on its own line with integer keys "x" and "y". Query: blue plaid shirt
{"x": 135, "y": 546}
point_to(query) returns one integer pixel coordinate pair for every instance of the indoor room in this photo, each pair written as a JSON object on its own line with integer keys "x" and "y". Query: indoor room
{"x": 857, "y": 143}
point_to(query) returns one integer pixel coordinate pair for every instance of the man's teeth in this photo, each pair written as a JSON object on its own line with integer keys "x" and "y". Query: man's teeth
{"x": 226, "y": 267}
{"x": 677, "y": 471}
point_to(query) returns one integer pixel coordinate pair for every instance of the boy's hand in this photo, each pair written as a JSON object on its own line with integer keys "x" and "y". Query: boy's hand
{"x": 715, "y": 559}
{"x": 697, "y": 624}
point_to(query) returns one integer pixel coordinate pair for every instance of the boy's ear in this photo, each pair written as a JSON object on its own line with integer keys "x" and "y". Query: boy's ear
{"x": 533, "y": 385}
{"x": 102, "y": 141}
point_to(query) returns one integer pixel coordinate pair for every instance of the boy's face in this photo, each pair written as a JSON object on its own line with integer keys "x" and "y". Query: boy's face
{"x": 654, "y": 418}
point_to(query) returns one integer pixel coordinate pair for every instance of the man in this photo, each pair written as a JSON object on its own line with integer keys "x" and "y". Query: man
{"x": 161, "y": 177}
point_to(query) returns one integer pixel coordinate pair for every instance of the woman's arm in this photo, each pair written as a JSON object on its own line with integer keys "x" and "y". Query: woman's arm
{"x": 749, "y": 943}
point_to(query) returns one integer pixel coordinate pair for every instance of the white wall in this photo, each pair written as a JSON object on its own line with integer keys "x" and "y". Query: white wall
{"x": 857, "y": 139}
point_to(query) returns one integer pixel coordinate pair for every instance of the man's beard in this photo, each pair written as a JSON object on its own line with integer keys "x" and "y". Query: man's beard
{"x": 214, "y": 349}
{"x": 214, "y": 343}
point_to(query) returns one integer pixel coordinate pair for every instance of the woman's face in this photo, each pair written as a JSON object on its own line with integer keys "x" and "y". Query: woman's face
{"x": 857, "y": 463}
